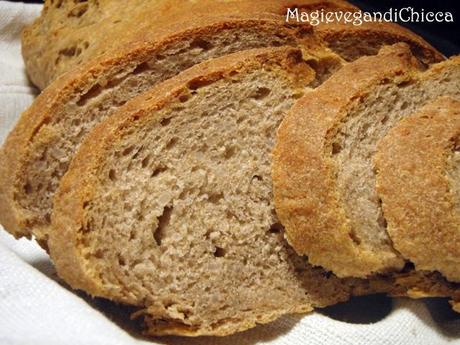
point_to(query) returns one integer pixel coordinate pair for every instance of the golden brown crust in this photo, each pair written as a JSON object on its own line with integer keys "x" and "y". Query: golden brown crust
{"x": 412, "y": 164}
{"x": 75, "y": 43}
{"x": 305, "y": 189}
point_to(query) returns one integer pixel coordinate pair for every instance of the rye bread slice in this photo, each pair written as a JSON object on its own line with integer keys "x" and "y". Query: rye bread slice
{"x": 417, "y": 179}
{"x": 167, "y": 204}
{"x": 324, "y": 182}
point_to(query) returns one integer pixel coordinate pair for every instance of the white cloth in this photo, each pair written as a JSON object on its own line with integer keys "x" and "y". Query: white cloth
{"x": 36, "y": 309}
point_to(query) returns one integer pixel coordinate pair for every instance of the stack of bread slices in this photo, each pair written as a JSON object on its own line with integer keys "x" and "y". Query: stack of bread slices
{"x": 217, "y": 167}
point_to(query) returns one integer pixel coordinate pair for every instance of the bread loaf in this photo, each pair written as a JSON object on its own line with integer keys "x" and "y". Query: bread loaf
{"x": 80, "y": 32}
{"x": 324, "y": 182}
{"x": 168, "y": 206}
{"x": 417, "y": 179}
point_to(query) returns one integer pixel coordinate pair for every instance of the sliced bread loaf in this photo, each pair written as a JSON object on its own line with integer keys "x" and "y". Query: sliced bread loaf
{"x": 37, "y": 152}
{"x": 80, "y": 32}
{"x": 167, "y": 204}
{"x": 324, "y": 182}
{"x": 417, "y": 167}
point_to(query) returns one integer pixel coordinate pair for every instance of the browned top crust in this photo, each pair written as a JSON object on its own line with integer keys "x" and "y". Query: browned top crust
{"x": 417, "y": 179}
{"x": 80, "y": 32}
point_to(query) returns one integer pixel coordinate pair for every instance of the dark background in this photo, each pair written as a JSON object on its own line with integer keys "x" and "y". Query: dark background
{"x": 444, "y": 36}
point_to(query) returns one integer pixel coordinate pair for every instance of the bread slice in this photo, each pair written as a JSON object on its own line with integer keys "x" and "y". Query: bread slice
{"x": 38, "y": 150}
{"x": 324, "y": 182}
{"x": 106, "y": 25}
{"x": 83, "y": 31}
{"x": 417, "y": 169}
{"x": 167, "y": 204}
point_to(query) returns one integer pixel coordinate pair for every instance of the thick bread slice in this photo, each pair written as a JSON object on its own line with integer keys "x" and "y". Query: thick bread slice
{"x": 324, "y": 183}
{"x": 37, "y": 152}
{"x": 106, "y": 25}
{"x": 417, "y": 166}
{"x": 83, "y": 31}
{"x": 167, "y": 204}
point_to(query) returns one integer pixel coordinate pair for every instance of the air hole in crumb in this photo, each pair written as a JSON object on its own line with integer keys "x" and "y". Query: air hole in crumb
{"x": 354, "y": 237}
{"x": 159, "y": 57}
{"x": 127, "y": 150}
{"x": 166, "y": 121}
{"x": 68, "y": 52}
{"x": 257, "y": 177}
{"x": 171, "y": 143}
{"x": 214, "y": 198}
{"x": 93, "y": 92}
{"x": 142, "y": 67}
{"x": 276, "y": 228}
{"x": 78, "y": 11}
{"x": 76, "y": 122}
{"x": 184, "y": 98}
{"x": 219, "y": 252}
{"x": 201, "y": 43}
{"x": 229, "y": 152}
{"x": 28, "y": 188}
{"x": 336, "y": 148}
{"x": 145, "y": 162}
{"x": 112, "y": 175}
{"x": 163, "y": 222}
{"x": 121, "y": 261}
{"x": 158, "y": 170}
{"x": 384, "y": 119}
{"x": 260, "y": 93}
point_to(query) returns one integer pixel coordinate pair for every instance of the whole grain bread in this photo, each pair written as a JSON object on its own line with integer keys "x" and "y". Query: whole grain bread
{"x": 167, "y": 204}
{"x": 417, "y": 179}
{"x": 82, "y": 31}
{"x": 42, "y": 144}
{"x": 38, "y": 150}
{"x": 324, "y": 182}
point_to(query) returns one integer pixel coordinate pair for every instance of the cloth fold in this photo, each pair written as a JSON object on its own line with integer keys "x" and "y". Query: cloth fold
{"x": 36, "y": 308}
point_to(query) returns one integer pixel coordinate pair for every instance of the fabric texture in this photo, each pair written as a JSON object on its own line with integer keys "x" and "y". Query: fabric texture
{"x": 37, "y": 308}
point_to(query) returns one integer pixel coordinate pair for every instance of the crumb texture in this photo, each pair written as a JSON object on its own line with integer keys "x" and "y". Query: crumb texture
{"x": 417, "y": 180}
{"x": 187, "y": 190}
